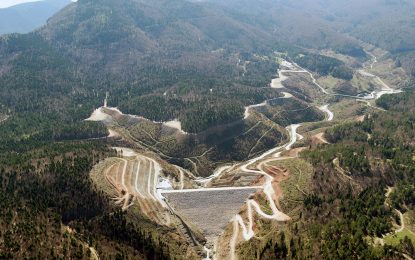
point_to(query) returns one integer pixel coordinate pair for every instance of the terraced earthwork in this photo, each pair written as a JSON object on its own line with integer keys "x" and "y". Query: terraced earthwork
{"x": 133, "y": 180}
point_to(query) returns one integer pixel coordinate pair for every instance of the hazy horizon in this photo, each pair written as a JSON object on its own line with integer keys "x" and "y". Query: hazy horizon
{"x": 10, "y": 3}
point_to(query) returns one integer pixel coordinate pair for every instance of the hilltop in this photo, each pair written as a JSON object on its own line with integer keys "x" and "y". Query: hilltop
{"x": 24, "y": 18}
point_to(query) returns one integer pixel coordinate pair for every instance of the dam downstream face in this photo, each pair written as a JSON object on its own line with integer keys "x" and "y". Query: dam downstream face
{"x": 210, "y": 210}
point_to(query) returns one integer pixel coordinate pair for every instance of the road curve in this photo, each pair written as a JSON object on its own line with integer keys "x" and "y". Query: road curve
{"x": 325, "y": 109}
{"x": 252, "y": 205}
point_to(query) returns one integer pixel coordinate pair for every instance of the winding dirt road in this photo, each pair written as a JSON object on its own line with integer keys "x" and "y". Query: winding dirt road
{"x": 325, "y": 109}
{"x": 137, "y": 188}
{"x": 247, "y": 230}
{"x": 401, "y": 217}
{"x": 385, "y": 89}
{"x": 252, "y": 205}
{"x": 276, "y": 84}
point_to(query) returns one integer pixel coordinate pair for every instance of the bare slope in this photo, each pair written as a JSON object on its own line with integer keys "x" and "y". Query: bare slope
{"x": 211, "y": 210}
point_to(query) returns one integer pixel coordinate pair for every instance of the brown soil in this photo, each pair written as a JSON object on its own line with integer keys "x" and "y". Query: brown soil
{"x": 361, "y": 118}
{"x": 294, "y": 152}
{"x": 128, "y": 195}
{"x": 279, "y": 175}
{"x": 318, "y": 139}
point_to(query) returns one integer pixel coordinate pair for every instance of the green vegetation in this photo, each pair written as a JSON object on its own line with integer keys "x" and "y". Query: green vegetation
{"x": 236, "y": 141}
{"x": 324, "y": 65}
{"x": 42, "y": 196}
{"x": 389, "y": 139}
{"x": 287, "y": 111}
{"x": 296, "y": 188}
{"x": 27, "y": 131}
{"x": 339, "y": 213}
{"x": 404, "y": 239}
{"x": 53, "y": 72}
{"x": 406, "y": 61}
{"x": 206, "y": 115}
{"x": 201, "y": 63}
{"x": 403, "y": 196}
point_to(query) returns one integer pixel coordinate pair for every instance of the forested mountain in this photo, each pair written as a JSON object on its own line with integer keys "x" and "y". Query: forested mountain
{"x": 334, "y": 24}
{"x": 267, "y": 92}
{"x": 135, "y": 48}
{"x": 377, "y": 153}
{"x": 128, "y": 48}
{"x": 291, "y": 22}
{"x": 24, "y": 18}
{"x": 388, "y": 24}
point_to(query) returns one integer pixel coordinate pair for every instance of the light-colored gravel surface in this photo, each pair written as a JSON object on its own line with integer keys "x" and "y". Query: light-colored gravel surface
{"x": 211, "y": 211}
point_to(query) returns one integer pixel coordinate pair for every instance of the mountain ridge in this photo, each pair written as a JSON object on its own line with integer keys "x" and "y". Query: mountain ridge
{"x": 26, "y": 17}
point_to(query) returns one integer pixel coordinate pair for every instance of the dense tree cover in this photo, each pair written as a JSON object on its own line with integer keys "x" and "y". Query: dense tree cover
{"x": 342, "y": 72}
{"x": 355, "y": 160}
{"x": 346, "y": 130}
{"x": 403, "y": 196}
{"x": 54, "y": 73}
{"x": 183, "y": 95}
{"x": 309, "y": 239}
{"x": 153, "y": 107}
{"x": 39, "y": 199}
{"x": 367, "y": 212}
{"x": 257, "y": 70}
{"x": 342, "y": 241}
{"x": 44, "y": 79}
{"x": 196, "y": 112}
{"x": 387, "y": 24}
{"x": 208, "y": 114}
{"x": 305, "y": 23}
{"x": 25, "y": 131}
{"x": 386, "y": 137}
{"x": 351, "y": 50}
{"x": 342, "y": 216}
{"x": 397, "y": 103}
{"x": 345, "y": 236}
{"x": 406, "y": 60}
{"x": 323, "y": 65}
{"x": 68, "y": 66}
{"x": 287, "y": 111}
